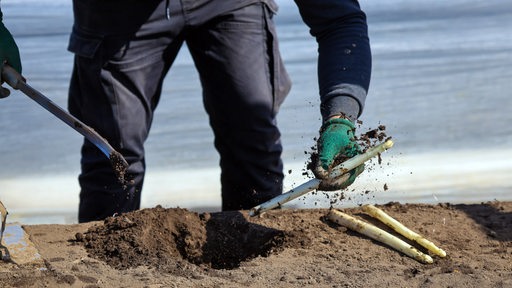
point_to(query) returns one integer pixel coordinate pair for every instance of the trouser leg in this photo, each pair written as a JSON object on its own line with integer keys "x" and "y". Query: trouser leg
{"x": 124, "y": 119}
{"x": 115, "y": 91}
{"x": 244, "y": 83}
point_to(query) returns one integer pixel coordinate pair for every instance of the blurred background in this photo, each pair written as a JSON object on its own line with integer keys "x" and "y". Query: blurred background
{"x": 441, "y": 85}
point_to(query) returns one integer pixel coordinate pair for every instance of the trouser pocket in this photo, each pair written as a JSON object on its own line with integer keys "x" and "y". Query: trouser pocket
{"x": 281, "y": 83}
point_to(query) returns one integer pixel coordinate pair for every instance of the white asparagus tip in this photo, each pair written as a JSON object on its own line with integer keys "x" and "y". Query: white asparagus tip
{"x": 388, "y": 144}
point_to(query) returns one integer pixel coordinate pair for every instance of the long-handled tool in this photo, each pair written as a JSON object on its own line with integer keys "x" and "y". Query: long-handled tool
{"x": 315, "y": 182}
{"x": 16, "y": 81}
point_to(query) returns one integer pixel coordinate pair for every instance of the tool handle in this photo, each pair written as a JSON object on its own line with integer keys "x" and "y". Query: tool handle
{"x": 16, "y": 81}
{"x": 11, "y": 76}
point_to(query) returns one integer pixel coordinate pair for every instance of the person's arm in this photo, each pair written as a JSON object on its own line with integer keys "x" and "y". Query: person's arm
{"x": 9, "y": 54}
{"x": 344, "y": 54}
{"x": 344, "y": 70}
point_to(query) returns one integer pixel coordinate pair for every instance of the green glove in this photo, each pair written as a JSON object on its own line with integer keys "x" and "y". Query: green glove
{"x": 335, "y": 145}
{"x": 8, "y": 54}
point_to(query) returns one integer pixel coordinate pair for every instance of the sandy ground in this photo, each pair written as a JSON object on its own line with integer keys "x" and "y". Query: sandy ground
{"x": 282, "y": 248}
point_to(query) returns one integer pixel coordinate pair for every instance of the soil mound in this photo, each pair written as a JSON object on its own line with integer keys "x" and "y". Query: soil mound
{"x": 164, "y": 238}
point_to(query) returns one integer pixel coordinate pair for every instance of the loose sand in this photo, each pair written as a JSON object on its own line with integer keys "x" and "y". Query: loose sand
{"x": 160, "y": 247}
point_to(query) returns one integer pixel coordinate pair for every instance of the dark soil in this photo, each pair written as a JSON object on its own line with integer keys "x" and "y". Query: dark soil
{"x": 164, "y": 238}
{"x": 160, "y": 247}
{"x": 119, "y": 165}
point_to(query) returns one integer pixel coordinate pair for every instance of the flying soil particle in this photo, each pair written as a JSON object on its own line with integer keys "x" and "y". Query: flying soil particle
{"x": 120, "y": 166}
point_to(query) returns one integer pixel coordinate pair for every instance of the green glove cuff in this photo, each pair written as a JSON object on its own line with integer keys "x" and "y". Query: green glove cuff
{"x": 337, "y": 121}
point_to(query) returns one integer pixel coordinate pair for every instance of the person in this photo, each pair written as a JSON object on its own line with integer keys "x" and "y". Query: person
{"x": 123, "y": 51}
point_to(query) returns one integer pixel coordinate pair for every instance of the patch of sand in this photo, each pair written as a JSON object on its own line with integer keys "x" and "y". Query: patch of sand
{"x": 160, "y": 247}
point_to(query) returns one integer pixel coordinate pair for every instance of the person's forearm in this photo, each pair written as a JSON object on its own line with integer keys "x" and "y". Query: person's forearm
{"x": 344, "y": 60}
{"x": 344, "y": 66}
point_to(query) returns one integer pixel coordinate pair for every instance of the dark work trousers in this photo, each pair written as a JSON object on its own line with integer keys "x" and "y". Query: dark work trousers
{"x": 123, "y": 50}
{"x": 344, "y": 55}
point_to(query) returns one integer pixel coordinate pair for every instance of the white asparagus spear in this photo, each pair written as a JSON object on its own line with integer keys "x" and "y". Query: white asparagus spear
{"x": 314, "y": 183}
{"x": 359, "y": 159}
{"x": 401, "y": 229}
{"x": 378, "y": 235}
